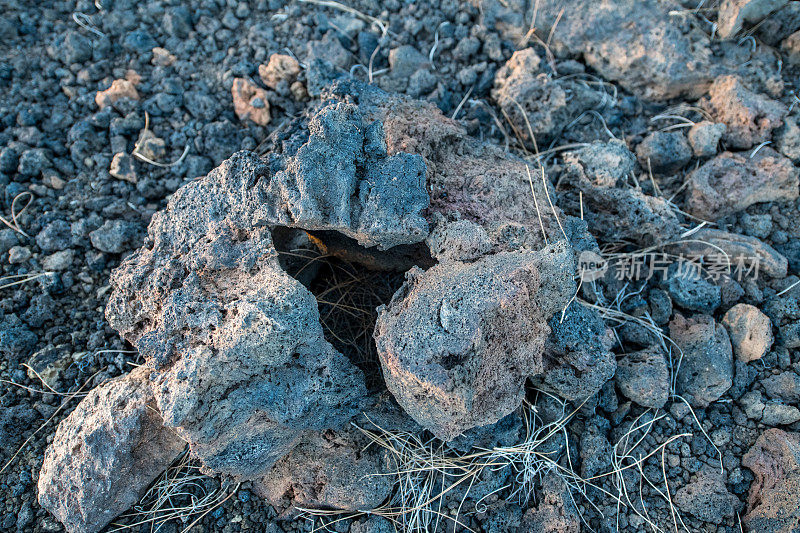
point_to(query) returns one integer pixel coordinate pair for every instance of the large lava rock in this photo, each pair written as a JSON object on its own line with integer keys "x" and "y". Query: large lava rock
{"x": 458, "y": 341}
{"x": 105, "y": 454}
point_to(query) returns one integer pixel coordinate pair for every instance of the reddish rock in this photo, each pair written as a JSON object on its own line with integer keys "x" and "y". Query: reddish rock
{"x": 750, "y": 331}
{"x": 750, "y": 117}
{"x": 119, "y": 89}
{"x": 250, "y": 102}
{"x": 773, "y": 504}
{"x": 280, "y": 72}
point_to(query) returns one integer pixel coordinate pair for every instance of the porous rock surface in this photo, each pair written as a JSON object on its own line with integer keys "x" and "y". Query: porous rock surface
{"x": 458, "y": 341}
{"x": 773, "y": 504}
{"x": 105, "y": 454}
{"x": 706, "y": 370}
{"x": 731, "y": 182}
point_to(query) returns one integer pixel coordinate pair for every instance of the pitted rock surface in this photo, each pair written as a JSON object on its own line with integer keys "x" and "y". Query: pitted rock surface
{"x": 458, "y": 340}
{"x": 105, "y": 454}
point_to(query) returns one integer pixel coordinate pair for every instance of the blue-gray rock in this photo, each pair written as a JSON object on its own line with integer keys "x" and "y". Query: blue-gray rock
{"x": 643, "y": 377}
{"x": 139, "y": 41}
{"x": 706, "y": 358}
{"x": 664, "y": 152}
{"x": 76, "y": 48}
{"x": 686, "y": 283}
{"x": 54, "y": 237}
{"x": 178, "y": 21}
{"x": 16, "y": 340}
{"x": 114, "y": 236}
{"x": 578, "y": 359}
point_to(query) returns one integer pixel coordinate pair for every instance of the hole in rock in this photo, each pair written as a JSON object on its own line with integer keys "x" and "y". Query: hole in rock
{"x": 349, "y": 282}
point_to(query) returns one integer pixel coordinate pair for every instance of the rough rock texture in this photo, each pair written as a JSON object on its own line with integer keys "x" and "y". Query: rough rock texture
{"x": 105, "y": 454}
{"x": 457, "y": 240}
{"x": 706, "y": 369}
{"x": 643, "y": 377}
{"x": 338, "y": 469}
{"x": 664, "y": 152}
{"x": 280, "y": 72}
{"x": 734, "y": 14}
{"x": 533, "y": 98}
{"x": 734, "y": 250}
{"x": 555, "y": 512}
{"x": 242, "y": 365}
{"x": 577, "y": 355}
{"x": 328, "y": 469}
{"x": 480, "y": 181}
{"x": 250, "y": 102}
{"x": 613, "y": 210}
{"x": 707, "y": 498}
{"x": 458, "y": 341}
{"x": 784, "y": 386}
{"x": 691, "y": 289}
{"x": 632, "y": 42}
{"x": 750, "y": 117}
{"x": 120, "y": 89}
{"x": 704, "y": 138}
{"x": 731, "y": 182}
{"x": 773, "y": 504}
{"x": 750, "y": 331}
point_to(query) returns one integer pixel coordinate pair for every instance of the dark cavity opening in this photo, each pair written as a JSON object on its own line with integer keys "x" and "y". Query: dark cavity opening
{"x": 349, "y": 282}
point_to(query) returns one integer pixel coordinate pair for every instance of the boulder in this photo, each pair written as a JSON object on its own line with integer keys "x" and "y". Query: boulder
{"x": 643, "y": 377}
{"x": 784, "y": 386}
{"x": 773, "y": 503}
{"x": 750, "y": 331}
{"x": 706, "y": 358}
{"x": 105, "y": 454}
{"x": 731, "y": 182}
{"x": 457, "y": 341}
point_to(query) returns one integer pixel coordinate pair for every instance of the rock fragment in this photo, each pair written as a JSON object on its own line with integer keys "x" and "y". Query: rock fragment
{"x": 707, "y": 498}
{"x": 123, "y": 168}
{"x": 105, "y": 454}
{"x": 750, "y": 331}
{"x": 555, "y": 512}
{"x": 279, "y": 73}
{"x": 773, "y": 504}
{"x": 120, "y": 89}
{"x": 731, "y": 182}
{"x": 734, "y": 14}
{"x": 577, "y": 354}
{"x": 536, "y": 103}
{"x": 664, "y": 152}
{"x": 738, "y": 254}
{"x": 332, "y": 469}
{"x": 706, "y": 370}
{"x": 633, "y": 42}
{"x": 457, "y": 341}
{"x": 643, "y": 377}
{"x": 749, "y": 117}
{"x": 704, "y": 137}
{"x": 784, "y": 386}
{"x": 250, "y": 102}
{"x": 613, "y": 211}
